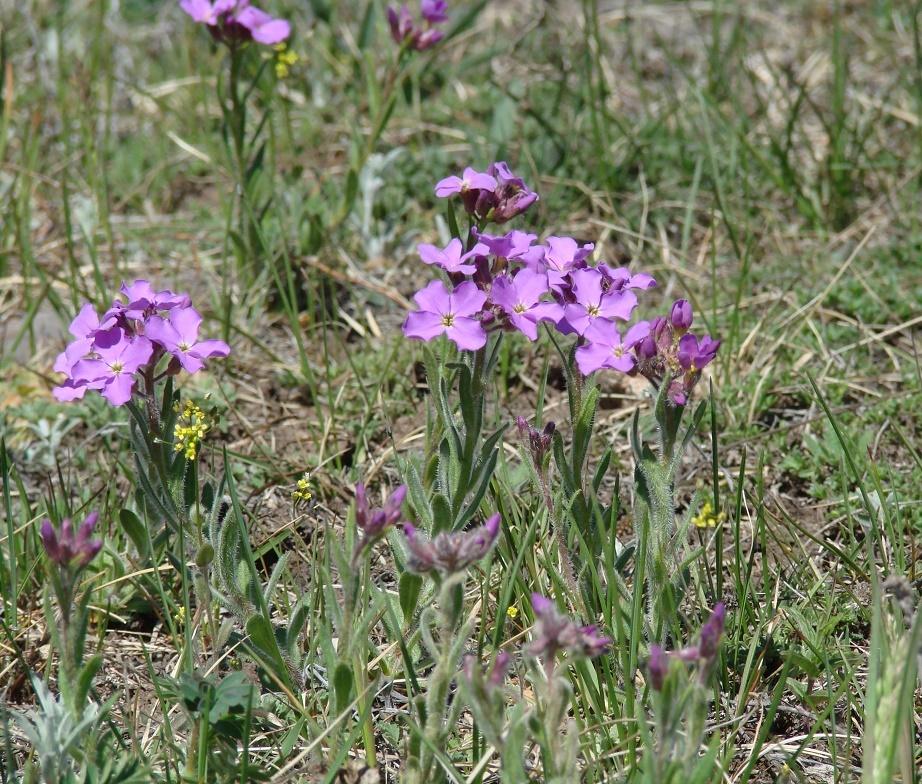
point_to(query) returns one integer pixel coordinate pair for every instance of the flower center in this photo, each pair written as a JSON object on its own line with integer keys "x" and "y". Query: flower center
{"x": 448, "y": 320}
{"x": 593, "y": 310}
{"x": 184, "y": 347}
{"x": 520, "y": 308}
{"x": 618, "y": 351}
{"x": 116, "y": 368}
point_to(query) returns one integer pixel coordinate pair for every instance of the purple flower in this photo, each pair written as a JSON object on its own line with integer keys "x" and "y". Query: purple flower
{"x": 449, "y": 313}
{"x": 562, "y": 257}
{"x": 471, "y": 181}
{"x": 712, "y": 631}
{"x": 204, "y": 11}
{"x": 514, "y": 245}
{"x": 694, "y": 355}
{"x": 237, "y": 20}
{"x": 143, "y": 301}
{"x": 621, "y": 278}
{"x": 518, "y": 298}
{"x": 453, "y": 259}
{"x": 554, "y": 633}
{"x": 84, "y": 327}
{"x": 375, "y": 524}
{"x": 179, "y": 336}
{"x": 450, "y": 553}
{"x": 112, "y": 370}
{"x": 263, "y": 28}
{"x": 434, "y": 11}
{"x": 511, "y": 197}
{"x": 405, "y": 32}
{"x": 606, "y": 348}
{"x": 593, "y": 302}
{"x": 67, "y": 549}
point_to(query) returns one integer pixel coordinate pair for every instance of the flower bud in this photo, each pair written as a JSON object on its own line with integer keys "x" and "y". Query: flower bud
{"x": 680, "y": 317}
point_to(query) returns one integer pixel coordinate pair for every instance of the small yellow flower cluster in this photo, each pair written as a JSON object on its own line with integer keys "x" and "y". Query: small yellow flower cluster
{"x": 190, "y": 430}
{"x": 284, "y": 59}
{"x": 707, "y": 518}
{"x": 302, "y": 492}
{"x": 512, "y": 612}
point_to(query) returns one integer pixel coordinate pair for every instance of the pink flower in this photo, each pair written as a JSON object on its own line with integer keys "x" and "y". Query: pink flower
{"x": 179, "y": 336}
{"x": 451, "y": 314}
{"x": 453, "y": 259}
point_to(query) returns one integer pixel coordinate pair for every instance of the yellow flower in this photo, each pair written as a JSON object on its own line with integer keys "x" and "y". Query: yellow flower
{"x": 707, "y": 517}
{"x": 512, "y": 612}
{"x": 284, "y": 59}
{"x": 190, "y": 429}
{"x": 302, "y": 491}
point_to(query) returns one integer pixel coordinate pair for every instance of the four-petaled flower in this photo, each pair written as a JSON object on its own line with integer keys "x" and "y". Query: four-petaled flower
{"x": 607, "y": 349}
{"x": 453, "y": 258}
{"x": 519, "y": 297}
{"x": 178, "y": 334}
{"x": 448, "y": 313}
{"x": 112, "y": 370}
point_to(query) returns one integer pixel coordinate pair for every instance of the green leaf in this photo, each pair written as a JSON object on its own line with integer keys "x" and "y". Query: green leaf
{"x": 452, "y": 219}
{"x": 343, "y": 682}
{"x": 136, "y": 531}
{"x": 409, "y": 589}
{"x": 85, "y": 678}
{"x": 442, "y": 519}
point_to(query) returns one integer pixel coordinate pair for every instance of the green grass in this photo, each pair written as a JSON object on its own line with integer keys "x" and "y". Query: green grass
{"x": 761, "y": 160}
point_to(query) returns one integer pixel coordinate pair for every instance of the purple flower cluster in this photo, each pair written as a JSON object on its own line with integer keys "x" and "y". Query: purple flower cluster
{"x": 405, "y": 32}
{"x": 704, "y": 654}
{"x": 68, "y": 548}
{"x": 237, "y": 21}
{"x": 130, "y": 337}
{"x": 450, "y": 553}
{"x": 511, "y": 283}
{"x": 555, "y": 633}
{"x": 669, "y": 353}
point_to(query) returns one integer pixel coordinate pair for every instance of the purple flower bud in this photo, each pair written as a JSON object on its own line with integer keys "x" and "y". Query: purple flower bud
{"x": 450, "y": 553}
{"x": 511, "y": 197}
{"x": 374, "y": 525}
{"x": 434, "y": 11}
{"x": 712, "y": 631}
{"x": 681, "y": 317}
{"x": 499, "y": 669}
{"x": 658, "y": 667}
{"x": 67, "y": 549}
{"x": 537, "y": 443}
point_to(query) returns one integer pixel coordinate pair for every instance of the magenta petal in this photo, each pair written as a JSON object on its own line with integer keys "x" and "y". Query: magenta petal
{"x": 210, "y": 348}
{"x": 160, "y": 331}
{"x": 69, "y": 390}
{"x": 423, "y": 325}
{"x": 189, "y": 362}
{"x": 525, "y": 324}
{"x": 592, "y": 357}
{"x": 86, "y": 323}
{"x": 434, "y": 298}
{"x": 467, "y": 299}
{"x": 449, "y": 185}
{"x": 618, "y": 304}
{"x": 118, "y": 389}
{"x": 186, "y": 321}
{"x": 467, "y": 333}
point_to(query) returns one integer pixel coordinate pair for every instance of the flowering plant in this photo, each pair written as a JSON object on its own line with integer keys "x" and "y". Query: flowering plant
{"x": 129, "y": 340}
